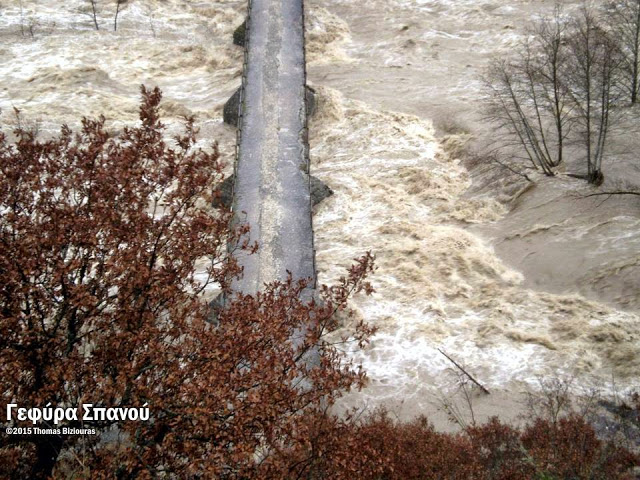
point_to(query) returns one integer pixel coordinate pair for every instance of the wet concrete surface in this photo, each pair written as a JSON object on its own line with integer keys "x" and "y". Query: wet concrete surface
{"x": 271, "y": 191}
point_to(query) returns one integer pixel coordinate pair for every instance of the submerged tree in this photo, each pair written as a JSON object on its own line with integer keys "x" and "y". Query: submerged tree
{"x": 529, "y": 95}
{"x": 94, "y": 13}
{"x": 594, "y": 75}
{"x": 100, "y": 303}
{"x": 562, "y": 85}
{"x": 624, "y": 22}
{"x": 119, "y": 3}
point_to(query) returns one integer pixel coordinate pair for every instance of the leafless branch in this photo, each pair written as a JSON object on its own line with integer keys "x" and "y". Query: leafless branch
{"x": 482, "y": 387}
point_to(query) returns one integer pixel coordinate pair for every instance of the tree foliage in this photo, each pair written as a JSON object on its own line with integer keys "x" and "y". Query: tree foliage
{"x": 100, "y": 304}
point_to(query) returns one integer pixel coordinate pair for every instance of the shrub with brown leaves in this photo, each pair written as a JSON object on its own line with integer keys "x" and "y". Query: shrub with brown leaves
{"x": 100, "y": 304}
{"x": 377, "y": 448}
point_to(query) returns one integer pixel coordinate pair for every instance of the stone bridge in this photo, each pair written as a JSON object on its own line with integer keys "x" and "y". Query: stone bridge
{"x": 271, "y": 184}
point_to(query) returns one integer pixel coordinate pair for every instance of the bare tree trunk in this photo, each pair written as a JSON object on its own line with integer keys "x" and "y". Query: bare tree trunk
{"x": 94, "y": 14}
{"x": 551, "y": 36}
{"x": 615, "y": 192}
{"x": 583, "y": 57}
{"x": 21, "y": 19}
{"x": 597, "y": 65}
{"x": 115, "y": 18}
{"x": 624, "y": 22}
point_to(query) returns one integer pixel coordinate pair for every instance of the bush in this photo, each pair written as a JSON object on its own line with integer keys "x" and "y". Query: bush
{"x": 378, "y": 448}
{"x": 100, "y": 304}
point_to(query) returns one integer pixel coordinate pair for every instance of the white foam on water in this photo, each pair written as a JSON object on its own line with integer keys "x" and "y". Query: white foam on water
{"x": 398, "y": 191}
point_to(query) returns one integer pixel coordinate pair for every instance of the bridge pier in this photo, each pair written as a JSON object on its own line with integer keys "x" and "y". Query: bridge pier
{"x": 231, "y": 110}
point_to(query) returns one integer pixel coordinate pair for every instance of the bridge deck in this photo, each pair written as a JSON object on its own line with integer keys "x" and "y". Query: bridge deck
{"x": 271, "y": 190}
